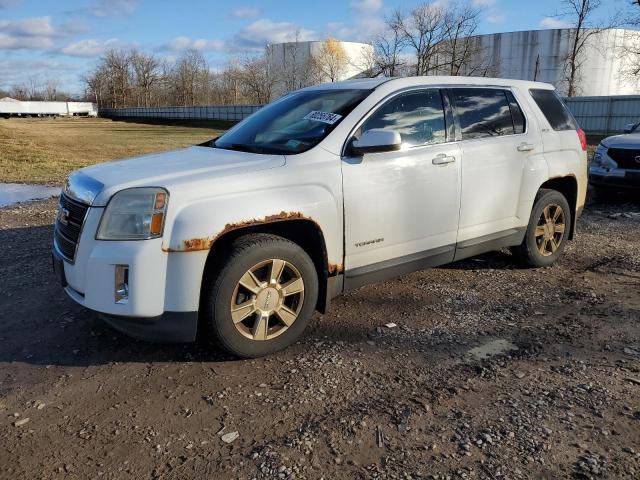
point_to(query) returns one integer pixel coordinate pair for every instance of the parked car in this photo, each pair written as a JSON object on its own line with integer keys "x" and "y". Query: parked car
{"x": 615, "y": 166}
{"x": 329, "y": 188}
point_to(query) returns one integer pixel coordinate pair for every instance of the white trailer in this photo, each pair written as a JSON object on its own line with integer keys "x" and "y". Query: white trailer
{"x": 11, "y": 108}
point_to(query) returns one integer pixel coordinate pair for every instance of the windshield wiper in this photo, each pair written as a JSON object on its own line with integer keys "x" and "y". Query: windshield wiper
{"x": 241, "y": 147}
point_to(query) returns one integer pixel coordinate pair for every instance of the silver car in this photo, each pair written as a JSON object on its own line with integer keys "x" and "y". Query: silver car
{"x": 616, "y": 163}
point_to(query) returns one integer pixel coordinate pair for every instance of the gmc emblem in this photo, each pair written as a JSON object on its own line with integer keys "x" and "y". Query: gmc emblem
{"x": 63, "y": 216}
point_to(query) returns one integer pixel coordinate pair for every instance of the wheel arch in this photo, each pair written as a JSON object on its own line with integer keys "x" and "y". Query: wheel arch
{"x": 300, "y": 230}
{"x": 567, "y": 186}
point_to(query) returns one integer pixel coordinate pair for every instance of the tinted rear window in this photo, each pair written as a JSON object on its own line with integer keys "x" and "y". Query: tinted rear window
{"x": 557, "y": 114}
{"x": 483, "y": 112}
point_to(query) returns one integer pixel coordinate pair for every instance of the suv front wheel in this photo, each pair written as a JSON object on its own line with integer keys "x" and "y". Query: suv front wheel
{"x": 262, "y": 297}
{"x": 547, "y": 232}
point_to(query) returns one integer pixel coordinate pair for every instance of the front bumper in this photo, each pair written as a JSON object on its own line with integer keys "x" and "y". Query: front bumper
{"x": 168, "y": 327}
{"x": 616, "y": 178}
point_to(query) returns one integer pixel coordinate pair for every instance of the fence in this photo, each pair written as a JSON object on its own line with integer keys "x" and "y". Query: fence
{"x": 605, "y": 115}
{"x": 596, "y": 115}
{"x": 233, "y": 113}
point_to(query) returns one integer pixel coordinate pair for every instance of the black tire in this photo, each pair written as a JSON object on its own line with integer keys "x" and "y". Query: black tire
{"x": 528, "y": 252}
{"x": 219, "y": 289}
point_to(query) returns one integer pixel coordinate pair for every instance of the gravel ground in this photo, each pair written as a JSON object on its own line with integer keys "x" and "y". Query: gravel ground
{"x": 491, "y": 371}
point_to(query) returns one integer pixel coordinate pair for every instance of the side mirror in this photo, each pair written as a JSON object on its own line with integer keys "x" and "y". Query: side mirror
{"x": 630, "y": 127}
{"x": 376, "y": 140}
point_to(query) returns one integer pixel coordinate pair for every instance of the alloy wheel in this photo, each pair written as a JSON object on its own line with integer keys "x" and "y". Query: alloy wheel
{"x": 267, "y": 299}
{"x": 550, "y": 229}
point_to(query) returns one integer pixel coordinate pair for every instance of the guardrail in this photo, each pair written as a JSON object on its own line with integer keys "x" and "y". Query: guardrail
{"x": 596, "y": 115}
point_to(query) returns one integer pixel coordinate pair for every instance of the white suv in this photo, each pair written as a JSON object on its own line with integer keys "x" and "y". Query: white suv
{"x": 329, "y": 188}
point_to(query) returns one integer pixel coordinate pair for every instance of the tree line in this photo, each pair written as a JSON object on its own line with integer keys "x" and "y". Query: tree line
{"x": 432, "y": 38}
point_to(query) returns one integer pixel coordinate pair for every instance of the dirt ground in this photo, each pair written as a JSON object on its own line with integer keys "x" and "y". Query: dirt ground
{"x": 492, "y": 372}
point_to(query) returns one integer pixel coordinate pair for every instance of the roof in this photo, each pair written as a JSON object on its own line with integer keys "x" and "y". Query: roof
{"x": 405, "y": 82}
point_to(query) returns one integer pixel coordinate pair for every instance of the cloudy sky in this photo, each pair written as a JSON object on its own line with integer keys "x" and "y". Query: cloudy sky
{"x": 62, "y": 39}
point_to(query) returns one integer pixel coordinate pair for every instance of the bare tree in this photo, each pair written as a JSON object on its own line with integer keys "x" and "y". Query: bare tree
{"x": 460, "y": 50}
{"x": 145, "y": 73}
{"x": 424, "y": 30}
{"x": 580, "y": 14}
{"x": 257, "y": 79}
{"x": 388, "y": 47}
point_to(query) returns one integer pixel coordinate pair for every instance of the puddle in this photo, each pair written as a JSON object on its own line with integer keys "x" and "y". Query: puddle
{"x": 11, "y": 193}
{"x": 491, "y": 349}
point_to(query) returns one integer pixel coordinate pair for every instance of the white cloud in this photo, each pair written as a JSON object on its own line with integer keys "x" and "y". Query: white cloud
{"x": 483, "y": 3}
{"x": 18, "y": 70}
{"x": 90, "y": 47}
{"x": 32, "y": 33}
{"x": 496, "y": 18}
{"x": 9, "y": 42}
{"x": 256, "y": 35}
{"x": 552, "y": 22}
{"x": 178, "y": 44}
{"x": 366, "y": 6}
{"x": 245, "y": 12}
{"x": 112, "y": 8}
{"x": 8, "y": 3}
{"x": 33, "y": 27}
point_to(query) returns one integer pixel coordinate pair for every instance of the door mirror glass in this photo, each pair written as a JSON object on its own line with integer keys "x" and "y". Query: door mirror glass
{"x": 377, "y": 140}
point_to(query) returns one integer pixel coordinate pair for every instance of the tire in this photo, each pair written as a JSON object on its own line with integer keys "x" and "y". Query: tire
{"x": 232, "y": 286}
{"x": 538, "y": 236}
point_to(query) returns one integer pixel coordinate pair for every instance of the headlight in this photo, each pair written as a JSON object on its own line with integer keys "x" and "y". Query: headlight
{"x": 134, "y": 214}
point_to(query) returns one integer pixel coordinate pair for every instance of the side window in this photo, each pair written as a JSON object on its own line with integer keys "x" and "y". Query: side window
{"x": 516, "y": 113}
{"x": 417, "y": 115}
{"x": 556, "y": 112}
{"x": 483, "y": 112}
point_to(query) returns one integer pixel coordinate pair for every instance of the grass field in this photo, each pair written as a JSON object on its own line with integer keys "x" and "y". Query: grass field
{"x": 46, "y": 150}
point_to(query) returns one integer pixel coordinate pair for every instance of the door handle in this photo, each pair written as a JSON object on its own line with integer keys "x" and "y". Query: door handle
{"x": 525, "y": 147}
{"x": 443, "y": 159}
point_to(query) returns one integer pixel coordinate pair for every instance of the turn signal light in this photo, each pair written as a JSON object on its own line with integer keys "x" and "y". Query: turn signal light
{"x": 156, "y": 223}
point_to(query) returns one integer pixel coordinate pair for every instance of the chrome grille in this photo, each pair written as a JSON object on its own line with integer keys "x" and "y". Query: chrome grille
{"x": 68, "y": 226}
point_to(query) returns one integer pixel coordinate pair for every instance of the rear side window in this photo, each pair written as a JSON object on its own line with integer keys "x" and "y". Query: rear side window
{"x": 484, "y": 112}
{"x": 556, "y": 112}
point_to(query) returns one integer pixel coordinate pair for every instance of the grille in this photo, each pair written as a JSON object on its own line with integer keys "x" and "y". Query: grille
{"x": 625, "y": 158}
{"x": 66, "y": 236}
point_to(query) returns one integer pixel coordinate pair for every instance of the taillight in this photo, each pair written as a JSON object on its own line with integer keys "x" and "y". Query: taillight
{"x": 583, "y": 139}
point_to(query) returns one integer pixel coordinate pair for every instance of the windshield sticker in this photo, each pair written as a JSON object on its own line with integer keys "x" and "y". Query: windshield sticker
{"x": 324, "y": 117}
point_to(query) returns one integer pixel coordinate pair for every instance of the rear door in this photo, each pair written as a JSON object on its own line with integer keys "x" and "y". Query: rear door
{"x": 496, "y": 143}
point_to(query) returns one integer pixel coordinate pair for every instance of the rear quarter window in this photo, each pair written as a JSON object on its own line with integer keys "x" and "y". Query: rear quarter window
{"x": 554, "y": 110}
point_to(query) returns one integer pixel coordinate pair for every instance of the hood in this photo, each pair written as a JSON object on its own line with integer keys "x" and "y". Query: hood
{"x": 168, "y": 169}
{"x": 629, "y": 140}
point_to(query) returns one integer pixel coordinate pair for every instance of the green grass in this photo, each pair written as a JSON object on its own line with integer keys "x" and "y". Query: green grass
{"x": 47, "y": 150}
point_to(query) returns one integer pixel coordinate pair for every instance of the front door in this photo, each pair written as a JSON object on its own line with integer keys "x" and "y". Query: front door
{"x": 401, "y": 208}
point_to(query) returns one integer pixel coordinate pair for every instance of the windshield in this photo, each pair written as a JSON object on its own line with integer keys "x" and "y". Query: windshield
{"x": 293, "y": 124}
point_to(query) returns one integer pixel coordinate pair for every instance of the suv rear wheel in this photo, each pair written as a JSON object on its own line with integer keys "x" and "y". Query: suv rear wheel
{"x": 262, "y": 297}
{"x": 547, "y": 232}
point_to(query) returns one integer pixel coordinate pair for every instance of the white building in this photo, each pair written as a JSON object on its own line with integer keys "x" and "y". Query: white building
{"x": 541, "y": 55}
{"x": 291, "y": 63}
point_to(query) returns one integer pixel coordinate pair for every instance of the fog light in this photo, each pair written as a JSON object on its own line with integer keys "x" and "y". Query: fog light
{"x": 122, "y": 284}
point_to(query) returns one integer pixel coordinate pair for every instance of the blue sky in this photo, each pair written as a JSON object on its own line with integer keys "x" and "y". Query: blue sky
{"x": 63, "y": 39}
